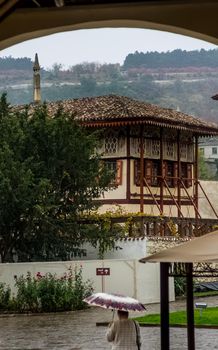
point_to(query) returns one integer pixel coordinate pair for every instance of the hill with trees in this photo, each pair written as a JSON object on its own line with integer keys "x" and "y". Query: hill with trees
{"x": 172, "y": 59}
{"x": 183, "y": 80}
{"x": 9, "y": 62}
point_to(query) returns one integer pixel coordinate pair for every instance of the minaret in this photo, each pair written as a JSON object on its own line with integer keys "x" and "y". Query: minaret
{"x": 36, "y": 81}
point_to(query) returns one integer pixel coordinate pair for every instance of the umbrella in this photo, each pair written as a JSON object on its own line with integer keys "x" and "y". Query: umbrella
{"x": 114, "y": 302}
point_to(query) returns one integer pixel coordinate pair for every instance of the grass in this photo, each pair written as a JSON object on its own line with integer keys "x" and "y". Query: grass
{"x": 209, "y": 317}
{"x": 206, "y": 294}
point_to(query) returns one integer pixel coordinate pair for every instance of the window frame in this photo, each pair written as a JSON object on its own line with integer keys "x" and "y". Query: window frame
{"x": 118, "y": 171}
{"x": 214, "y": 149}
{"x": 153, "y": 178}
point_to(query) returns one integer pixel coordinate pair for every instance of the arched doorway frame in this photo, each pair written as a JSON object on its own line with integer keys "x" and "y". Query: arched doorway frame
{"x": 197, "y": 19}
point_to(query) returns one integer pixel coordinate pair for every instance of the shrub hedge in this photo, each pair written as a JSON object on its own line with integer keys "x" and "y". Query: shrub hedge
{"x": 46, "y": 293}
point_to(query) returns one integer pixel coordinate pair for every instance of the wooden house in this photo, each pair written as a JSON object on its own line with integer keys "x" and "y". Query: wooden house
{"x": 153, "y": 150}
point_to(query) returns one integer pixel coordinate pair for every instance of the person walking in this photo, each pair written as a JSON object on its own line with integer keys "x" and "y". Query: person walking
{"x": 124, "y": 333}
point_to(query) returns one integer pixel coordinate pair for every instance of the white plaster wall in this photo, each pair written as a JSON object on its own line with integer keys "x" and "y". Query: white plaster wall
{"x": 128, "y": 277}
{"x": 208, "y": 152}
{"x": 149, "y": 275}
{"x": 129, "y": 248}
{"x": 211, "y": 189}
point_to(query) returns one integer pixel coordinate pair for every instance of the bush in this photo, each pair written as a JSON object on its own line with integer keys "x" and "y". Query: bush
{"x": 26, "y": 298}
{"x": 5, "y": 296}
{"x": 48, "y": 293}
{"x": 81, "y": 290}
{"x": 180, "y": 286}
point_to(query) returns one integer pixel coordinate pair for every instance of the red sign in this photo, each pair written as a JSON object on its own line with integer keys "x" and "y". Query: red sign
{"x": 103, "y": 271}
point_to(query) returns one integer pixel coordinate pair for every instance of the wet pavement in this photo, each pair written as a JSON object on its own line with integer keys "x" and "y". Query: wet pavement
{"x": 77, "y": 330}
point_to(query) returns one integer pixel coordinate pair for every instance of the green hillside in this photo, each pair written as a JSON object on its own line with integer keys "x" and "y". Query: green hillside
{"x": 177, "y": 79}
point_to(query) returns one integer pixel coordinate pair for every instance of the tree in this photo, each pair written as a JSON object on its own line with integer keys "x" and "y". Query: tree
{"x": 49, "y": 175}
{"x": 56, "y": 69}
{"x": 88, "y": 86}
{"x": 203, "y": 169}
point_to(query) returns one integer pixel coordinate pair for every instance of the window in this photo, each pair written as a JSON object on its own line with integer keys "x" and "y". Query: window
{"x": 214, "y": 150}
{"x": 201, "y": 151}
{"x": 137, "y": 172}
{"x": 111, "y": 144}
{"x": 169, "y": 173}
{"x": 190, "y": 155}
{"x": 184, "y": 171}
{"x": 115, "y": 166}
{"x": 155, "y": 173}
{"x": 186, "y": 174}
{"x": 111, "y": 165}
{"x": 169, "y": 150}
{"x": 155, "y": 148}
{"x": 151, "y": 172}
{"x": 183, "y": 151}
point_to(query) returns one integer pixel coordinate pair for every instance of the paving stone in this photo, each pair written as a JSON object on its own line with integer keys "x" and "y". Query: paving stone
{"x": 77, "y": 330}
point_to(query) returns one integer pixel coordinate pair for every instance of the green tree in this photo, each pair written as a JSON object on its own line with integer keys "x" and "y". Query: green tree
{"x": 56, "y": 69}
{"x": 49, "y": 174}
{"x": 88, "y": 86}
{"x": 216, "y": 175}
{"x": 202, "y": 167}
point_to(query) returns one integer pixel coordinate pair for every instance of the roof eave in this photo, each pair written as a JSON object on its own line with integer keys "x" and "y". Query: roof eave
{"x": 118, "y": 122}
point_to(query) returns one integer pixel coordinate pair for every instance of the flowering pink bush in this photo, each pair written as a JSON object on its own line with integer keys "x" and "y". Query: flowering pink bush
{"x": 38, "y": 275}
{"x": 49, "y": 293}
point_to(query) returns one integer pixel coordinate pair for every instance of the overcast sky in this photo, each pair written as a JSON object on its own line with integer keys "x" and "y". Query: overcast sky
{"x": 109, "y": 45}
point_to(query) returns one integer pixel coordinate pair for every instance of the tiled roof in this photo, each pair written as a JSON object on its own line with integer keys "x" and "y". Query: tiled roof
{"x": 211, "y": 141}
{"x": 119, "y": 110}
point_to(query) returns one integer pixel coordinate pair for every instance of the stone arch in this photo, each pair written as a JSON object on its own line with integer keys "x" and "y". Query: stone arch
{"x": 196, "y": 19}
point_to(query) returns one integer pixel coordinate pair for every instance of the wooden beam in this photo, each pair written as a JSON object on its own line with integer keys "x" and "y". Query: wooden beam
{"x": 178, "y": 172}
{"x": 6, "y": 8}
{"x": 164, "y": 306}
{"x": 128, "y": 168}
{"x": 142, "y": 169}
{"x": 190, "y": 307}
{"x": 196, "y": 175}
{"x": 162, "y": 172}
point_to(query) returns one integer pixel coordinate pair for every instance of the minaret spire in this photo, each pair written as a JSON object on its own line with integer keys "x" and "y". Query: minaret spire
{"x": 36, "y": 81}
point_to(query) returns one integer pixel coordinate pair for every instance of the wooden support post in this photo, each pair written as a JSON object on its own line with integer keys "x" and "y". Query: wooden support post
{"x": 148, "y": 228}
{"x": 162, "y": 171}
{"x": 178, "y": 173}
{"x": 190, "y": 232}
{"x": 155, "y": 228}
{"x": 161, "y": 178}
{"x": 164, "y": 306}
{"x": 196, "y": 176}
{"x": 142, "y": 169}
{"x": 190, "y": 307}
{"x": 142, "y": 226}
{"x": 128, "y": 169}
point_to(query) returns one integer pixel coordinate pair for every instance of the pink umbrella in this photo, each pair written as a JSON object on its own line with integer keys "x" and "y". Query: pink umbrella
{"x": 114, "y": 302}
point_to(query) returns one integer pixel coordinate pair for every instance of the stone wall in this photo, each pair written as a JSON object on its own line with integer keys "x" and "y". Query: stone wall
{"x": 156, "y": 244}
